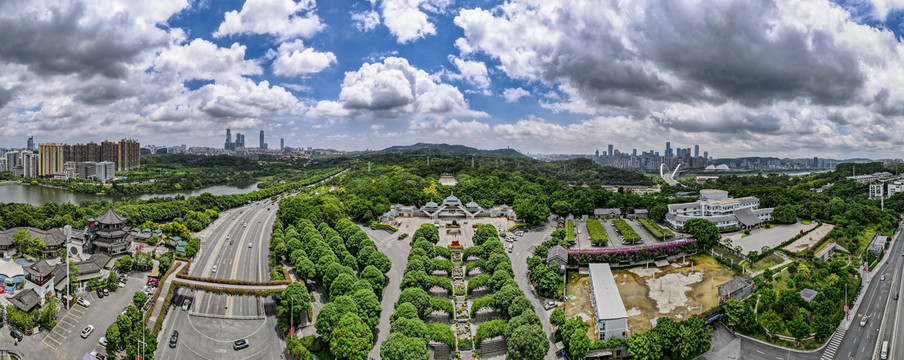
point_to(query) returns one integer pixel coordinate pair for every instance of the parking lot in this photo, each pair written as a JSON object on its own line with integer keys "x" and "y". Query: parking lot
{"x": 65, "y": 341}
{"x": 583, "y": 238}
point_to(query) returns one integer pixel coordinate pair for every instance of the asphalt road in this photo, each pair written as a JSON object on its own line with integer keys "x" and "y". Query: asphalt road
{"x": 208, "y": 337}
{"x": 522, "y": 249}
{"x": 860, "y": 342}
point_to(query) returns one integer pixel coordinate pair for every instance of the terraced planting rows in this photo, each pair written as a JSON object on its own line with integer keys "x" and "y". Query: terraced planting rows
{"x": 597, "y": 233}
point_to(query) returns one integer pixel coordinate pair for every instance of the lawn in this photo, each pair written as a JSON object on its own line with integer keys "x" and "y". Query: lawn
{"x": 766, "y": 262}
{"x": 569, "y": 231}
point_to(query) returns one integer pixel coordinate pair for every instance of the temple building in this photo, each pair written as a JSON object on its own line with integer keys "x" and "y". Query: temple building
{"x": 108, "y": 234}
{"x": 451, "y": 207}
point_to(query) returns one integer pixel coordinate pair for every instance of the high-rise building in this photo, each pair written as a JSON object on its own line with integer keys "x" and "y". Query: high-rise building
{"x": 705, "y": 157}
{"x": 610, "y": 150}
{"x": 696, "y": 150}
{"x": 229, "y": 145}
{"x": 597, "y": 153}
{"x": 633, "y": 152}
{"x": 668, "y": 149}
{"x": 282, "y": 143}
{"x": 262, "y": 145}
{"x": 86, "y": 170}
{"x": 51, "y": 159}
{"x": 815, "y": 161}
{"x": 30, "y": 145}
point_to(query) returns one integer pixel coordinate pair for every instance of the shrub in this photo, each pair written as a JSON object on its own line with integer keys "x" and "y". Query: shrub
{"x": 626, "y": 231}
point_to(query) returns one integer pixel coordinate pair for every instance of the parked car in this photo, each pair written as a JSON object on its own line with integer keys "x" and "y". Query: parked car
{"x": 186, "y": 304}
{"x": 174, "y": 339}
{"x": 896, "y": 295}
{"x": 83, "y": 302}
{"x": 106, "y": 292}
{"x": 15, "y": 334}
{"x": 249, "y": 245}
{"x": 550, "y": 305}
{"x": 240, "y": 344}
{"x": 124, "y": 311}
{"x": 102, "y": 341}
{"x": 100, "y": 293}
{"x": 87, "y": 331}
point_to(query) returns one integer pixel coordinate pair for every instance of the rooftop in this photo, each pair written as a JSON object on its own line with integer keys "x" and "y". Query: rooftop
{"x": 608, "y": 300}
{"x": 733, "y": 285}
{"x": 808, "y": 294}
{"x": 26, "y": 300}
{"x": 723, "y": 201}
{"x": 111, "y": 217}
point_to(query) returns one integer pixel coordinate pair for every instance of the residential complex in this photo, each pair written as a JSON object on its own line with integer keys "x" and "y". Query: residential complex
{"x": 726, "y": 212}
{"x": 62, "y": 161}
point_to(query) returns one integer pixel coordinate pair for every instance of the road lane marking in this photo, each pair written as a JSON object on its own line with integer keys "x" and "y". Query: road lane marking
{"x": 238, "y": 254}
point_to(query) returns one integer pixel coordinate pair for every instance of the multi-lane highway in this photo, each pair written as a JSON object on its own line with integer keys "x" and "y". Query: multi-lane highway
{"x": 236, "y": 248}
{"x": 860, "y": 341}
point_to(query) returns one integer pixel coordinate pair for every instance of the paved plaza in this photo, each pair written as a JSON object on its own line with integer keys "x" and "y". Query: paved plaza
{"x": 759, "y": 238}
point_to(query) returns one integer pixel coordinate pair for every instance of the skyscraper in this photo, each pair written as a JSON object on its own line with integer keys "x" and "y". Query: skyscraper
{"x": 229, "y": 145}
{"x": 668, "y": 149}
{"x": 31, "y": 143}
{"x": 282, "y": 143}
{"x": 262, "y": 146}
{"x": 705, "y": 157}
{"x": 696, "y": 150}
{"x": 610, "y": 150}
{"x": 634, "y": 152}
{"x": 597, "y": 153}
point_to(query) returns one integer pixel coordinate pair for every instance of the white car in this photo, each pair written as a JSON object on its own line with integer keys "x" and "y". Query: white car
{"x": 87, "y": 331}
{"x": 102, "y": 341}
{"x": 249, "y": 245}
{"x": 186, "y": 305}
{"x": 214, "y": 269}
{"x": 83, "y": 302}
{"x": 863, "y": 321}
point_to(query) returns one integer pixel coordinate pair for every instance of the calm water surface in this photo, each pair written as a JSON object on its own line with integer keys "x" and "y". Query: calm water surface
{"x": 39, "y": 195}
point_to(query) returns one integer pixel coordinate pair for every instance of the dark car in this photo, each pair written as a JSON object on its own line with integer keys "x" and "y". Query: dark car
{"x": 174, "y": 339}
{"x": 15, "y": 334}
{"x": 100, "y": 293}
{"x": 240, "y": 344}
{"x": 100, "y": 357}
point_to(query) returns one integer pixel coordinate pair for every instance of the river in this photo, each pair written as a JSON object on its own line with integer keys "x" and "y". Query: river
{"x": 39, "y": 195}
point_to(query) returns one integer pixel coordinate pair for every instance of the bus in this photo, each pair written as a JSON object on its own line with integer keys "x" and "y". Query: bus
{"x": 884, "y": 354}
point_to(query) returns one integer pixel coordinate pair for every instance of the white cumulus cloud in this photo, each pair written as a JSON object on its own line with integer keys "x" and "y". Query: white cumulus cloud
{"x": 293, "y": 59}
{"x": 512, "y": 95}
{"x": 286, "y": 19}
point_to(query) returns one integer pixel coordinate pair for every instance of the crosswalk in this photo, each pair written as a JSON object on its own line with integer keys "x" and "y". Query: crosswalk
{"x": 834, "y": 342}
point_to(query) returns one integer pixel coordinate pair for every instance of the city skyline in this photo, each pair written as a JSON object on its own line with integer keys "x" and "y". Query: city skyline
{"x": 358, "y": 75}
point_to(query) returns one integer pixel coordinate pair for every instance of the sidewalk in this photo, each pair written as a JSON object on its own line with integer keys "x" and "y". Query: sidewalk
{"x": 164, "y": 289}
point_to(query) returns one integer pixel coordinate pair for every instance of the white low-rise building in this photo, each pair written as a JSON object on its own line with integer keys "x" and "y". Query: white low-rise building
{"x": 611, "y": 316}
{"x": 716, "y": 206}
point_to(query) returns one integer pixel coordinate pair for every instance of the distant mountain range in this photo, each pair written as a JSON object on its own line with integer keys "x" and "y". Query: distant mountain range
{"x": 438, "y": 149}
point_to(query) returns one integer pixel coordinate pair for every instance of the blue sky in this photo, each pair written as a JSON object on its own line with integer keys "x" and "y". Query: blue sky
{"x": 740, "y": 78}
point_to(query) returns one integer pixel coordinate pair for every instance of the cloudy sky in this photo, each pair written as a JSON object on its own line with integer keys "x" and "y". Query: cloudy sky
{"x": 740, "y": 78}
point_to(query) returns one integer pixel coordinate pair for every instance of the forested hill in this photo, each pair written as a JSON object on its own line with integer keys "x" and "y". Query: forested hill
{"x": 575, "y": 171}
{"x": 446, "y": 149}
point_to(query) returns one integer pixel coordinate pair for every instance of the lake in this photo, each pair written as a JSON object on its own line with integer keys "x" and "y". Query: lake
{"x": 39, "y": 195}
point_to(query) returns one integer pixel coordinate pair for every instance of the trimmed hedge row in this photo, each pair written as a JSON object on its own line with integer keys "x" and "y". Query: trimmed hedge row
{"x": 658, "y": 231}
{"x": 387, "y": 227}
{"x": 569, "y": 231}
{"x": 597, "y": 233}
{"x": 626, "y": 231}
{"x": 159, "y": 289}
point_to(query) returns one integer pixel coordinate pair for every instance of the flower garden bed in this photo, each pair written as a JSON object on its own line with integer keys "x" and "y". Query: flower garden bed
{"x": 631, "y": 254}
